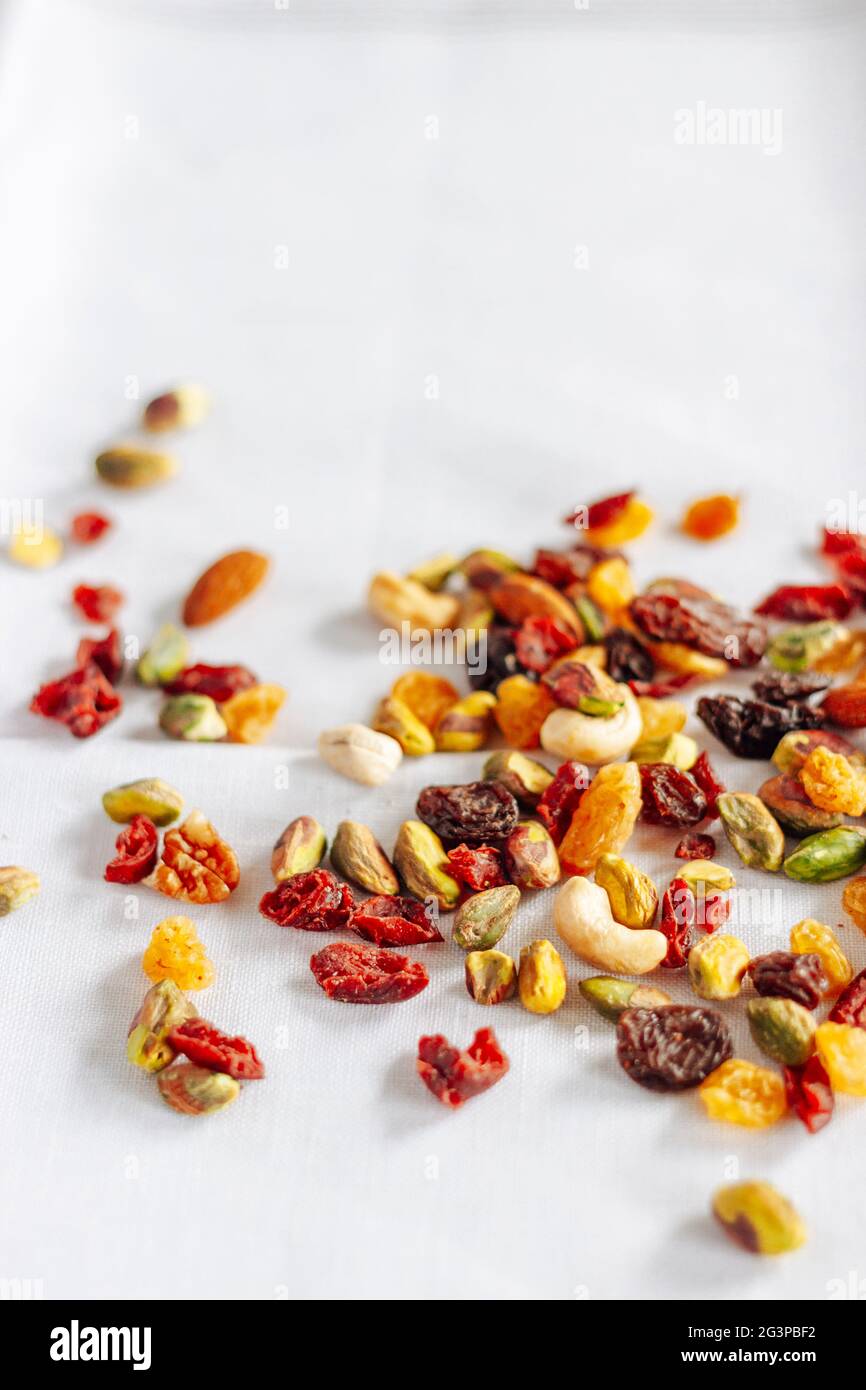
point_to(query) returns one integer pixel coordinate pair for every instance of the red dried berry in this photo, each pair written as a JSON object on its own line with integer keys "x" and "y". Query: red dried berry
{"x": 850, "y": 1007}
{"x": 695, "y": 846}
{"x": 539, "y": 641}
{"x": 219, "y": 682}
{"x": 97, "y": 605}
{"x": 784, "y": 975}
{"x": 106, "y": 653}
{"x": 355, "y": 974}
{"x": 87, "y": 527}
{"x": 753, "y": 728}
{"x": 703, "y": 623}
{"x": 137, "y": 849}
{"x": 852, "y": 569}
{"x": 392, "y": 920}
{"x": 477, "y": 866}
{"x": 670, "y": 796}
{"x": 679, "y": 911}
{"x": 600, "y": 513}
{"x": 711, "y": 786}
{"x": 472, "y": 812}
{"x": 208, "y": 1046}
{"x": 454, "y": 1076}
{"x": 84, "y": 701}
{"x": 313, "y": 901}
{"x": 807, "y": 603}
{"x": 671, "y": 1048}
{"x": 712, "y": 910}
{"x": 660, "y": 690}
{"x": 842, "y": 542}
{"x": 809, "y": 1093}
{"x": 562, "y": 568}
{"x": 561, "y": 798}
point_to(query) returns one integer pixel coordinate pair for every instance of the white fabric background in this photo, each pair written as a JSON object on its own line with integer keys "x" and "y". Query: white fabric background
{"x": 150, "y": 170}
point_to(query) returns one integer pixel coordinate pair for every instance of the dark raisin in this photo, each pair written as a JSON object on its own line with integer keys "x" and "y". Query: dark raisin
{"x": 671, "y": 1048}
{"x": 703, "y": 623}
{"x": 787, "y": 976}
{"x": 627, "y": 657}
{"x": 753, "y": 728}
{"x": 502, "y": 660}
{"x": 789, "y": 688}
{"x": 471, "y": 813}
{"x": 670, "y": 795}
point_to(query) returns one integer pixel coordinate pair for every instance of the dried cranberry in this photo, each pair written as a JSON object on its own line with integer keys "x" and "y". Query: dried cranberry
{"x": 703, "y": 623}
{"x": 806, "y": 603}
{"x": 784, "y": 975}
{"x": 752, "y": 728}
{"x": 84, "y": 701}
{"x": 659, "y": 690}
{"x": 356, "y": 974}
{"x": 561, "y": 798}
{"x": 671, "y": 1048}
{"x": 789, "y": 687}
{"x": 392, "y": 920}
{"x": 677, "y": 919}
{"x": 219, "y": 682}
{"x": 208, "y": 1046}
{"x": 709, "y": 783}
{"x": 479, "y": 867}
{"x": 695, "y": 846}
{"x": 454, "y": 1076}
{"x": 472, "y": 812}
{"x": 600, "y": 513}
{"x": 712, "y": 910}
{"x": 670, "y": 796}
{"x": 809, "y": 1093}
{"x": 502, "y": 659}
{"x": 107, "y": 654}
{"x": 87, "y": 527}
{"x": 539, "y": 641}
{"x": 842, "y": 542}
{"x": 98, "y": 605}
{"x": 562, "y": 568}
{"x": 850, "y": 1007}
{"x": 313, "y": 901}
{"x": 137, "y": 848}
{"x": 627, "y": 657}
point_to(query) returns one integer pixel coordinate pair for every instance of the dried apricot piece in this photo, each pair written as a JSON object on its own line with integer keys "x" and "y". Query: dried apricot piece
{"x": 428, "y": 697}
{"x": 196, "y": 865}
{"x": 250, "y": 713}
{"x": 175, "y": 953}
{"x": 711, "y": 517}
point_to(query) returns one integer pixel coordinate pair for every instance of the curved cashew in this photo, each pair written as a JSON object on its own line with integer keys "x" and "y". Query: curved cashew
{"x": 583, "y": 919}
{"x": 588, "y": 739}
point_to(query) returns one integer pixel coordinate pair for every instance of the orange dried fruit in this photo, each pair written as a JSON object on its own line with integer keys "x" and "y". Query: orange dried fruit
{"x": 521, "y": 708}
{"x": 249, "y": 714}
{"x": 627, "y": 525}
{"x": 225, "y": 584}
{"x": 175, "y": 953}
{"x": 196, "y": 866}
{"x": 711, "y": 517}
{"x": 428, "y": 697}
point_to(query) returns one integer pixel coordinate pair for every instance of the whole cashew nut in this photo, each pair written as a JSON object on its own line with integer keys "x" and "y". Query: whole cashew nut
{"x": 588, "y": 739}
{"x": 583, "y": 919}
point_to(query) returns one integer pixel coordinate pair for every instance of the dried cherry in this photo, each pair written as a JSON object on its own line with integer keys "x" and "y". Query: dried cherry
{"x": 208, "y": 1046}
{"x": 539, "y": 641}
{"x": 314, "y": 901}
{"x": 711, "y": 786}
{"x": 695, "y": 846}
{"x": 477, "y": 866}
{"x": 678, "y": 915}
{"x": 670, "y": 796}
{"x": 87, "y": 527}
{"x": 701, "y": 622}
{"x": 790, "y": 688}
{"x": 84, "y": 701}
{"x": 561, "y": 798}
{"x": 106, "y": 653}
{"x": 753, "y": 728}
{"x": 806, "y": 603}
{"x": 98, "y": 605}
{"x": 673, "y": 1047}
{"x": 137, "y": 848}
{"x": 850, "y": 1007}
{"x": 472, "y": 812}
{"x": 219, "y": 682}
{"x": 809, "y": 1093}
{"x": 454, "y": 1076}
{"x": 784, "y": 975}
{"x": 356, "y": 974}
{"x": 392, "y": 920}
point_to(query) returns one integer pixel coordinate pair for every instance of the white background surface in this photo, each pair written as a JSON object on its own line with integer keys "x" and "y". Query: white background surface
{"x": 151, "y": 169}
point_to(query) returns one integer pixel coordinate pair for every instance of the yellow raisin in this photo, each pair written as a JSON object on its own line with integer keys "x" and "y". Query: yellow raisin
{"x": 428, "y": 697}
{"x": 604, "y": 819}
{"x": 842, "y": 1049}
{"x": 521, "y": 708}
{"x": 610, "y": 585}
{"x": 660, "y": 718}
{"x": 711, "y": 517}
{"x": 744, "y": 1094}
{"x": 854, "y": 901}
{"x": 811, "y": 936}
{"x": 250, "y": 713}
{"x": 175, "y": 953}
{"x": 630, "y": 523}
{"x": 832, "y": 783}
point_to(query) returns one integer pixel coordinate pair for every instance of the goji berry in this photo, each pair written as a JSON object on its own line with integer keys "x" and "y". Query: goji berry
{"x": 809, "y": 1093}
{"x": 208, "y": 1046}
{"x": 659, "y": 690}
{"x": 842, "y": 542}
{"x": 711, "y": 786}
{"x": 805, "y": 603}
{"x": 538, "y": 641}
{"x": 89, "y": 526}
{"x": 670, "y": 796}
{"x": 477, "y": 866}
{"x": 695, "y": 846}
{"x": 84, "y": 701}
{"x": 97, "y": 605}
{"x": 355, "y": 974}
{"x": 106, "y": 653}
{"x": 219, "y": 682}
{"x": 561, "y": 798}
{"x": 850, "y": 1007}
{"x": 137, "y": 848}
{"x": 313, "y": 901}
{"x": 677, "y": 919}
{"x": 393, "y": 920}
{"x": 851, "y": 567}
{"x": 454, "y": 1076}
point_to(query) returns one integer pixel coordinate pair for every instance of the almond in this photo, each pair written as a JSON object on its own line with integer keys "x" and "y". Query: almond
{"x": 227, "y": 583}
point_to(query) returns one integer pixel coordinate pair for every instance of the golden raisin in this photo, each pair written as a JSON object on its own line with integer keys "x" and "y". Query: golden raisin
{"x": 744, "y": 1094}
{"x": 630, "y": 523}
{"x": 660, "y": 718}
{"x": 521, "y": 708}
{"x": 610, "y": 585}
{"x": 604, "y": 819}
{"x": 175, "y": 953}
{"x": 711, "y": 517}
{"x": 842, "y": 1049}
{"x": 428, "y": 697}
{"x": 250, "y": 713}
{"x": 832, "y": 783}
{"x": 854, "y": 901}
{"x": 810, "y": 936}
